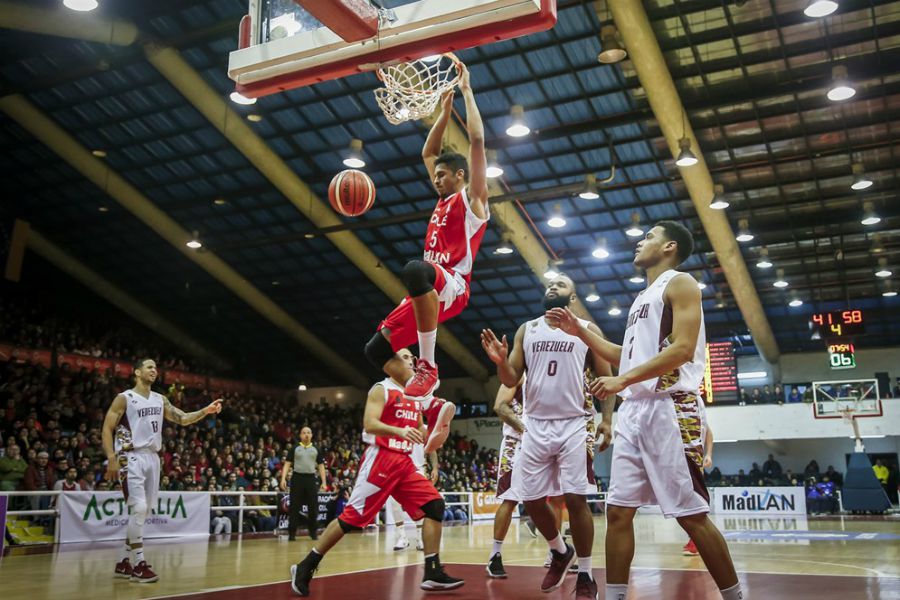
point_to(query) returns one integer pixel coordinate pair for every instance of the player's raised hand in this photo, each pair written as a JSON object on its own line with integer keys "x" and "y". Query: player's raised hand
{"x": 214, "y": 407}
{"x": 604, "y": 437}
{"x": 566, "y": 320}
{"x": 412, "y": 434}
{"x": 602, "y": 387}
{"x": 465, "y": 85}
{"x": 447, "y": 100}
{"x": 497, "y": 350}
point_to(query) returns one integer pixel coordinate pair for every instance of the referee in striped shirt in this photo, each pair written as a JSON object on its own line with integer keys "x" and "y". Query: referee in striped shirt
{"x": 307, "y": 460}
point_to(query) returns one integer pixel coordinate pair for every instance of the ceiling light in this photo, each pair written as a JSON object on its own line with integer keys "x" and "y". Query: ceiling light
{"x": 743, "y": 234}
{"x": 795, "y": 300}
{"x": 820, "y": 8}
{"x": 552, "y": 272}
{"x": 869, "y": 216}
{"x": 517, "y": 127}
{"x": 614, "y": 310}
{"x": 194, "y": 242}
{"x": 635, "y": 229}
{"x": 686, "y": 158}
{"x": 860, "y": 181}
{"x": 505, "y": 247}
{"x": 720, "y": 300}
{"x": 877, "y": 246}
{"x": 718, "y": 201}
{"x": 556, "y": 220}
{"x": 600, "y": 251}
{"x": 493, "y": 170}
{"x": 612, "y": 51}
{"x": 302, "y": 387}
{"x": 883, "y": 270}
{"x": 353, "y": 157}
{"x": 254, "y": 118}
{"x": 638, "y": 277}
{"x": 592, "y": 295}
{"x": 239, "y": 98}
{"x": 752, "y": 375}
{"x": 103, "y": 209}
{"x": 220, "y": 202}
{"x": 276, "y": 283}
{"x": 80, "y": 5}
{"x": 764, "y": 262}
{"x": 99, "y": 153}
{"x": 840, "y": 85}
{"x": 889, "y": 291}
{"x": 780, "y": 282}
{"x": 590, "y": 188}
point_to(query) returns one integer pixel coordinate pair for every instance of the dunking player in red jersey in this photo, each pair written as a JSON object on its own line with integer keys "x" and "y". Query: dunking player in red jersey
{"x": 387, "y": 470}
{"x": 438, "y": 285}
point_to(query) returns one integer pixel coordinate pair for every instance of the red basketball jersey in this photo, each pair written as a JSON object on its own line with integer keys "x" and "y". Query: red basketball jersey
{"x": 454, "y": 234}
{"x": 398, "y": 411}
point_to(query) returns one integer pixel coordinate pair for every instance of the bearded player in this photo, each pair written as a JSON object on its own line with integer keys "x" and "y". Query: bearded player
{"x": 132, "y": 440}
{"x": 438, "y": 285}
{"x": 658, "y": 454}
{"x": 385, "y": 470}
{"x": 552, "y": 459}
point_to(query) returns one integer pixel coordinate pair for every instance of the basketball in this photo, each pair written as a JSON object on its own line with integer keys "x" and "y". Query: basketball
{"x": 351, "y": 193}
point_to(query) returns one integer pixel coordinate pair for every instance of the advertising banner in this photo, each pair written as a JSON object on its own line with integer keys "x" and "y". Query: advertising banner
{"x": 191, "y": 380}
{"x": 484, "y": 505}
{"x": 759, "y": 500}
{"x": 326, "y": 504}
{"x": 3, "y": 501}
{"x": 77, "y": 362}
{"x": 96, "y": 516}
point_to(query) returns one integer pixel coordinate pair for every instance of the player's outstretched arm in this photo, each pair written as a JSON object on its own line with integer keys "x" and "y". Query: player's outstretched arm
{"x": 568, "y": 322}
{"x": 683, "y": 296}
{"x": 176, "y": 415}
{"x": 110, "y": 422}
{"x": 432, "y": 148}
{"x": 510, "y": 367}
{"x": 504, "y": 410}
{"x": 478, "y": 191}
{"x": 373, "y": 424}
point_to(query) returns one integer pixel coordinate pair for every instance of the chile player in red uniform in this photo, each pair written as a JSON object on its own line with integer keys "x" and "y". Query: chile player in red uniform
{"x": 438, "y": 285}
{"x": 386, "y": 469}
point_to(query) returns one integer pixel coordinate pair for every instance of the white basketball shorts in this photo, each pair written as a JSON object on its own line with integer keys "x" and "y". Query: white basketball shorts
{"x": 552, "y": 460}
{"x": 650, "y": 465}
{"x": 140, "y": 482}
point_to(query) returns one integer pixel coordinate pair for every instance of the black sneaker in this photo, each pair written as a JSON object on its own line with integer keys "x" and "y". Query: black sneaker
{"x": 438, "y": 580}
{"x": 495, "y": 567}
{"x": 301, "y": 575}
{"x": 585, "y": 587}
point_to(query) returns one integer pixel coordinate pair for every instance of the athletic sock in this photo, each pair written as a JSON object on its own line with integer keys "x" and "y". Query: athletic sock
{"x": 498, "y": 545}
{"x": 138, "y": 555}
{"x": 616, "y": 591}
{"x": 733, "y": 593}
{"x": 427, "y": 340}
{"x": 584, "y": 565}
{"x": 557, "y": 544}
{"x": 126, "y": 554}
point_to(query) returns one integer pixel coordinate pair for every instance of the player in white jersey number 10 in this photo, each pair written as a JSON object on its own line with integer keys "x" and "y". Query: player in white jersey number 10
{"x": 132, "y": 440}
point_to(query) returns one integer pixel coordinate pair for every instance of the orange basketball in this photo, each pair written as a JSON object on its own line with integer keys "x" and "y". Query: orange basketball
{"x": 351, "y": 193}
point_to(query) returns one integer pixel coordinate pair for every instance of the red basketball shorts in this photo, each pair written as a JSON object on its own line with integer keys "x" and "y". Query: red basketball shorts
{"x": 453, "y": 296}
{"x": 383, "y": 473}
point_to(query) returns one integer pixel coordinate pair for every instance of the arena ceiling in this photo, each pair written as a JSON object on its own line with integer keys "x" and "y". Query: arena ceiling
{"x": 753, "y": 76}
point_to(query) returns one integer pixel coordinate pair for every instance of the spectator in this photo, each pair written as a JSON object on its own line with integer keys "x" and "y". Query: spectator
{"x": 755, "y": 473}
{"x": 219, "y": 522}
{"x": 795, "y": 395}
{"x": 715, "y": 476}
{"x": 744, "y": 398}
{"x": 834, "y": 476}
{"x": 767, "y": 397}
{"x": 39, "y": 477}
{"x": 778, "y": 393}
{"x": 811, "y": 470}
{"x": 755, "y": 397}
{"x": 772, "y": 469}
{"x": 881, "y": 472}
{"x": 71, "y": 483}
{"x": 12, "y": 469}
{"x": 742, "y": 478}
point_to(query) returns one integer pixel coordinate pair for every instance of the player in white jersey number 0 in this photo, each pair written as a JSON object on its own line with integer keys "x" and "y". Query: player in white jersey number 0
{"x": 132, "y": 440}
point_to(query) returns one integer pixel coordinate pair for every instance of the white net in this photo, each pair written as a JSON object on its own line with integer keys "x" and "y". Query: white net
{"x": 412, "y": 90}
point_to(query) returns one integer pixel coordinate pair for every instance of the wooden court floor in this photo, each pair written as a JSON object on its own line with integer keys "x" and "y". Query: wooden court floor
{"x": 777, "y": 558}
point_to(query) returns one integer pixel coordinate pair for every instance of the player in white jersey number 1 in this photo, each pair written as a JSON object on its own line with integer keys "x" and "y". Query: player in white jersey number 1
{"x": 552, "y": 459}
{"x": 658, "y": 452}
{"x": 132, "y": 440}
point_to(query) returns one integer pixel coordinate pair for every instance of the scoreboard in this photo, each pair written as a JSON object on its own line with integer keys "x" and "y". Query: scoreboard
{"x": 839, "y": 324}
{"x": 720, "y": 383}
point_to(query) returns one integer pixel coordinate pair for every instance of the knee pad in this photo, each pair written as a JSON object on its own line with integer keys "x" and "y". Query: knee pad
{"x": 434, "y": 510}
{"x": 347, "y": 527}
{"x": 378, "y": 350}
{"x": 418, "y": 276}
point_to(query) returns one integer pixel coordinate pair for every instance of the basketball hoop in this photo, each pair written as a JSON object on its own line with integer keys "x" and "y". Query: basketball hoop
{"x": 412, "y": 90}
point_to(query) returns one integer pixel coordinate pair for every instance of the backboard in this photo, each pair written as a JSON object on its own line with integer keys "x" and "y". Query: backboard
{"x": 835, "y": 399}
{"x": 284, "y": 46}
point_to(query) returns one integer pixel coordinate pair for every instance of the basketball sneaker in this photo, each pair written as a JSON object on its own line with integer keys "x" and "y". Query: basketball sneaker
{"x": 436, "y": 579}
{"x": 423, "y": 384}
{"x": 690, "y": 549}
{"x": 420, "y": 545}
{"x": 142, "y": 573}
{"x": 123, "y": 569}
{"x": 585, "y": 587}
{"x": 495, "y": 568}
{"x": 556, "y": 573}
{"x": 437, "y": 417}
{"x": 301, "y": 575}
{"x": 402, "y": 543}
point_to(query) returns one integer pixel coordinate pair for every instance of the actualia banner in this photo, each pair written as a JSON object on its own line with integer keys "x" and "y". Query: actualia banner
{"x": 96, "y": 516}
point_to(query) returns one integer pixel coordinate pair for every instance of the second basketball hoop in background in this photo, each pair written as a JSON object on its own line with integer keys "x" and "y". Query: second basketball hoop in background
{"x": 351, "y": 193}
